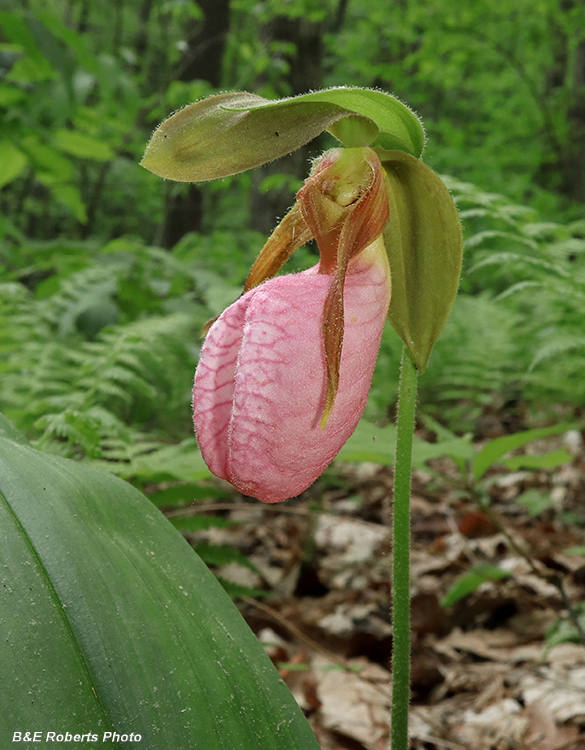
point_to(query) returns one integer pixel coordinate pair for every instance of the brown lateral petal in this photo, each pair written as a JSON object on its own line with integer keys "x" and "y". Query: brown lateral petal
{"x": 342, "y": 232}
{"x": 289, "y": 235}
{"x": 333, "y": 324}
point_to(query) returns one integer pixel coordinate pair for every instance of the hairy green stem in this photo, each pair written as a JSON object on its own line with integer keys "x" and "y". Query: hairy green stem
{"x": 401, "y": 554}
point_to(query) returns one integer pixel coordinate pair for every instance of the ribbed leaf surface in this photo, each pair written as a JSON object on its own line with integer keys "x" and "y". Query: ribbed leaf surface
{"x": 110, "y": 622}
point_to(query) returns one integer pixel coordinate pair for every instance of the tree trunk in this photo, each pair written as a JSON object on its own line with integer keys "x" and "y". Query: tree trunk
{"x": 83, "y": 23}
{"x": 304, "y": 75}
{"x": 565, "y": 88}
{"x": 202, "y": 61}
{"x": 207, "y": 40}
{"x": 575, "y": 174}
{"x": 141, "y": 42}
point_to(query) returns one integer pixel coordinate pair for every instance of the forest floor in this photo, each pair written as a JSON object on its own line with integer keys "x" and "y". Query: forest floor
{"x": 503, "y": 668}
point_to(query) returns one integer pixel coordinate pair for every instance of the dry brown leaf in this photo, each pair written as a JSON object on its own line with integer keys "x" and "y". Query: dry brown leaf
{"x": 352, "y": 705}
{"x": 542, "y": 733}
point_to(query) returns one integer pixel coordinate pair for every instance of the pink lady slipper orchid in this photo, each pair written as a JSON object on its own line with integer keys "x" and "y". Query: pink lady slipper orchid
{"x": 285, "y": 371}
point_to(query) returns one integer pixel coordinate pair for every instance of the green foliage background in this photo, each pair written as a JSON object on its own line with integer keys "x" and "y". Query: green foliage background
{"x": 107, "y": 274}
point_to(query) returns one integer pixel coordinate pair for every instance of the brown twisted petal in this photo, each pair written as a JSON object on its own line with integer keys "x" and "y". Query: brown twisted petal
{"x": 289, "y": 235}
{"x": 342, "y": 231}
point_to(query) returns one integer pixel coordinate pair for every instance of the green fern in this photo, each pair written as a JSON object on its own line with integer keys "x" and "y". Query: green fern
{"x": 77, "y": 395}
{"x": 91, "y": 289}
{"x": 535, "y": 272}
{"x": 98, "y": 345}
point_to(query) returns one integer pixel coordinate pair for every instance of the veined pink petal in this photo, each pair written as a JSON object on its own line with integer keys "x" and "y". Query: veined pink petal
{"x": 261, "y": 381}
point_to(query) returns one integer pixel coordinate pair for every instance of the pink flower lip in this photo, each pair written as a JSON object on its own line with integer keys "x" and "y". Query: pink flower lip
{"x": 261, "y": 383}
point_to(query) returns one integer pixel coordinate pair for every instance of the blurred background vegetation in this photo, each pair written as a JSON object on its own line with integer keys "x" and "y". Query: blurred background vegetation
{"x": 107, "y": 273}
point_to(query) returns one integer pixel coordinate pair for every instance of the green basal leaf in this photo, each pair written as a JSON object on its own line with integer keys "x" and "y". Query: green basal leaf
{"x": 471, "y": 581}
{"x": 459, "y": 449}
{"x": 377, "y": 444}
{"x": 110, "y": 622}
{"x": 495, "y": 449}
{"x": 535, "y": 502}
{"x": 565, "y": 630}
{"x": 544, "y": 461}
{"x": 370, "y": 443}
{"x": 10, "y": 432}
{"x": 424, "y": 243}
{"x": 579, "y": 550}
{"x": 230, "y": 133}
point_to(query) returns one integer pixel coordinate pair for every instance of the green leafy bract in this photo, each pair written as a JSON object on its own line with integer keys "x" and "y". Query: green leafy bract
{"x": 424, "y": 242}
{"x": 230, "y": 133}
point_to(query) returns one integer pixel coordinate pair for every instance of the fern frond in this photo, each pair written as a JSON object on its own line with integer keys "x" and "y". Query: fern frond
{"x": 86, "y": 289}
{"x": 560, "y": 344}
{"x": 76, "y": 427}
